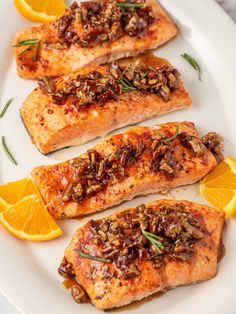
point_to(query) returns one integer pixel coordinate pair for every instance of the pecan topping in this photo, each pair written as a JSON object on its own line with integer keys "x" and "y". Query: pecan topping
{"x": 96, "y": 172}
{"x": 129, "y": 238}
{"x": 96, "y": 87}
{"x": 92, "y": 23}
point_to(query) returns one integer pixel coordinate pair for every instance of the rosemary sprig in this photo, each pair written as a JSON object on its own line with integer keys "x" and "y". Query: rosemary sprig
{"x": 30, "y": 43}
{"x": 126, "y": 85}
{"x": 154, "y": 240}
{"x": 193, "y": 63}
{"x": 172, "y": 137}
{"x": 130, "y": 5}
{"x": 95, "y": 258}
{"x": 4, "y": 109}
{"x": 7, "y": 152}
{"x": 27, "y": 42}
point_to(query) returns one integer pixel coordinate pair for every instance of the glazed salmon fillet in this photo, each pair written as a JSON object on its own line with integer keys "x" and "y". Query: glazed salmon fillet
{"x": 91, "y": 33}
{"x": 62, "y": 112}
{"x": 140, "y": 161}
{"x": 139, "y": 251}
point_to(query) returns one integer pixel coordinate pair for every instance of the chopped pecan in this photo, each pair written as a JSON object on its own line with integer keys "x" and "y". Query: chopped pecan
{"x": 79, "y": 294}
{"x": 131, "y": 272}
{"x": 193, "y": 143}
{"x": 46, "y": 84}
{"x": 213, "y": 141}
{"x": 65, "y": 269}
{"x": 67, "y": 193}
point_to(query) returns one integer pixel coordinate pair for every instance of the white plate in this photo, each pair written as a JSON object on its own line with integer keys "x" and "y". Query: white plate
{"x": 28, "y": 271}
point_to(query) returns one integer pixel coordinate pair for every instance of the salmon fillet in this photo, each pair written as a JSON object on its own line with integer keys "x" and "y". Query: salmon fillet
{"x": 115, "y": 261}
{"x": 54, "y": 125}
{"x": 140, "y": 161}
{"x": 55, "y": 57}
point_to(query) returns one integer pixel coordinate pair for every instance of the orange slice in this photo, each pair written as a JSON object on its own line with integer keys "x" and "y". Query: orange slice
{"x": 219, "y": 187}
{"x": 40, "y": 10}
{"x": 12, "y": 192}
{"x": 29, "y": 219}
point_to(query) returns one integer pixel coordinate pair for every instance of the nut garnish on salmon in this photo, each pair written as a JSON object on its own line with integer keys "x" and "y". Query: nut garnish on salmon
{"x": 90, "y": 33}
{"x": 140, "y": 161}
{"x": 76, "y": 108}
{"x": 139, "y": 251}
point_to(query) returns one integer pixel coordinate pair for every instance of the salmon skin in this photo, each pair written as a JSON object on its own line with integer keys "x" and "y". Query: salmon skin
{"x": 58, "y": 47}
{"x": 139, "y": 251}
{"x": 140, "y": 161}
{"x": 55, "y": 119}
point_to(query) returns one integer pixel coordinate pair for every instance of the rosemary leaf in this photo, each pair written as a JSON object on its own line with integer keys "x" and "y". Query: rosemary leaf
{"x": 193, "y": 63}
{"x": 152, "y": 235}
{"x": 127, "y": 89}
{"x": 27, "y": 42}
{"x": 7, "y": 152}
{"x": 126, "y": 85}
{"x": 130, "y": 5}
{"x": 154, "y": 240}
{"x": 35, "y": 57}
{"x": 126, "y": 81}
{"x": 4, "y": 109}
{"x": 25, "y": 50}
{"x": 172, "y": 137}
{"x": 95, "y": 258}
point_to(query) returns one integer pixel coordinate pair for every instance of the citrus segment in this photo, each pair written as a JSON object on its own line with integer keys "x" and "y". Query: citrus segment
{"x": 29, "y": 220}
{"x": 40, "y": 11}
{"x": 219, "y": 187}
{"x": 229, "y": 164}
{"x": 12, "y": 192}
{"x": 220, "y": 197}
{"x": 230, "y": 208}
{"x": 3, "y": 205}
{"x": 227, "y": 181}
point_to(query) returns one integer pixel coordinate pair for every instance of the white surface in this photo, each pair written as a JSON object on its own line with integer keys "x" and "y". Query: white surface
{"x": 28, "y": 270}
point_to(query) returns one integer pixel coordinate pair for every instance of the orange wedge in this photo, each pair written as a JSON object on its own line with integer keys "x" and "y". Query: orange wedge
{"x": 219, "y": 187}
{"x": 12, "y": 192}
{"x": 22, "y": 212}
{"x": 40, "y": 10}
{"x": 29, "y": 219}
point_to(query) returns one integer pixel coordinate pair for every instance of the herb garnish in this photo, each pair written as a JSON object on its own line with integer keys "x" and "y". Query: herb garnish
{"x": 35, "y": 57}
{"x": 6, "y": 107}
{"x": 26, "y": 42}
{"x": 95, "y": 258}
{"x": 7, "y": 152}
{"x": 130, "y": 5}
{"x": 155, "y": 240}
{"x": 172, "y": 137}
{"x": 126, "y": 85}
{"x": 30, "y": 43}
{"x": 193, "y": 63}
{"x": 25, "y": 50}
